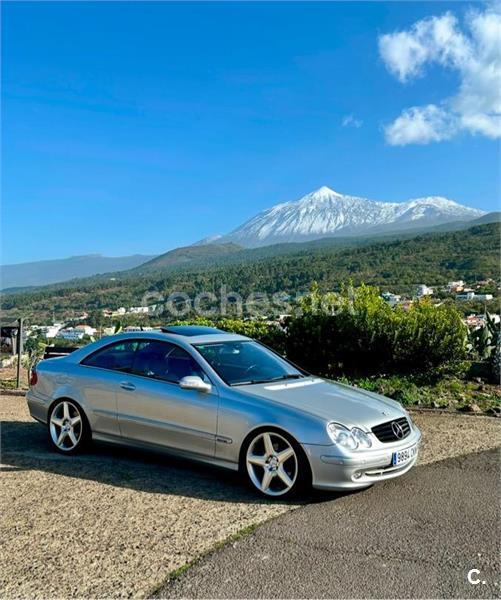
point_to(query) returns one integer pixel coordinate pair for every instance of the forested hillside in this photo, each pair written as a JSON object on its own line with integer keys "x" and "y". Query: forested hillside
{"x": 398, "y": 265}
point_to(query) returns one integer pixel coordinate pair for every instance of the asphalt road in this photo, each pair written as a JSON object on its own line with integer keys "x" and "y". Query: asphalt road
{"x": 413, "y": 537}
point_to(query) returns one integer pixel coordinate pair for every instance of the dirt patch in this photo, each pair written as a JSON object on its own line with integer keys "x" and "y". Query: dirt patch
{"x": 451, "y": 434}
{"x": 115, "y": 522}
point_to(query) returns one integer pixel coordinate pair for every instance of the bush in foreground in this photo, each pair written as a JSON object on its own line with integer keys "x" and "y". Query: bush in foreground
{"x": 357, "y": 332}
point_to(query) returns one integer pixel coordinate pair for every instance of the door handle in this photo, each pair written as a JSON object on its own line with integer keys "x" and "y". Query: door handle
{"x": 126, "y": 385}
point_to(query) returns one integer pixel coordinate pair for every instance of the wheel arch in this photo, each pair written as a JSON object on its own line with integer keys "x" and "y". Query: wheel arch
{"x": 69, "y": 399}
{"x": 280, "y": 430}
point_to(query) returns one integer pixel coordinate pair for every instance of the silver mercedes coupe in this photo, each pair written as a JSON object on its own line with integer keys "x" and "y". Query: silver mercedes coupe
{"x": 227, "y": 400}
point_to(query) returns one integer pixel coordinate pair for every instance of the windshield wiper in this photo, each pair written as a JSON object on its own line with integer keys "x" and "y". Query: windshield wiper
{"x": 287, "y": 376}
{"x": 281, "y": 378}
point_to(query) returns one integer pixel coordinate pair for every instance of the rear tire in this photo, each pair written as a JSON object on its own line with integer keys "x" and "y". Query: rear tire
{"x": 274, "y": 464}
{"x": 68, "y": 428}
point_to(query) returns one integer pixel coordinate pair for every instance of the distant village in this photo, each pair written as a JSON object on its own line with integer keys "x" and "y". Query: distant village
{"x": 458, "y": 290}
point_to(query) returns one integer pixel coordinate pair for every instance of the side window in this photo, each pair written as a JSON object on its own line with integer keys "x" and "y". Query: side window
{"x": 161, "y": 360}
{"x": 151, "y": 359}
{"x": 182, "y": 364}
{"x": 117, "y": 357}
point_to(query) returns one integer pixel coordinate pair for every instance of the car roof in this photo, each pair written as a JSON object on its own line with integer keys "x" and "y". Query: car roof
{"x": 182, "y": 340}
{"x": 191, "y": 330}
{"x": 199, "y": 334}
{"x": 201, "y": 337}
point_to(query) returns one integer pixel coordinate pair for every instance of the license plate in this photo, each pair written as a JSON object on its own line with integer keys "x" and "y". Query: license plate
{"x": 403, "y": 456}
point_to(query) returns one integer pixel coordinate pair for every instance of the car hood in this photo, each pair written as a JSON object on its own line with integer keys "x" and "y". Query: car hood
{"x": 331, "y": 401}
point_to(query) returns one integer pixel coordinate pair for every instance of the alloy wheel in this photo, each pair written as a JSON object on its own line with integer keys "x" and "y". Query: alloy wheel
{"x": 272, "y": 464}
{"x": 66, "y": 426}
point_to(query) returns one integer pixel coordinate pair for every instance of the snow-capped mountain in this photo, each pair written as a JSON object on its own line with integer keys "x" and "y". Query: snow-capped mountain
{"x": 325, "y": 212}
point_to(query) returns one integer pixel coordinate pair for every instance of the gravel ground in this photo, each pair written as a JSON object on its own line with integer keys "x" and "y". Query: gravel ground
{"x": 114, "y": 522}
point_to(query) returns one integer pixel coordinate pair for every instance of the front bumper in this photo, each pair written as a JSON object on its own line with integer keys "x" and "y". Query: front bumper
{"x": 333, "y": 470}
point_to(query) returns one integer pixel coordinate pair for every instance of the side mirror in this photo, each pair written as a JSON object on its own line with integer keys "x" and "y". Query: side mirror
{"x": 194, "y": 382}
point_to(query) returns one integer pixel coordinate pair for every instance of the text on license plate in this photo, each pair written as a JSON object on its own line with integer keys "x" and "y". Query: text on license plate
{"x": 403, "y": 456}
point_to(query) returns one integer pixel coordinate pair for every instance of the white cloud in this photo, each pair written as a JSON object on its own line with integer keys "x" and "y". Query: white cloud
{"x": 421, "y": 125}
{"x": 474, "y": 52}
{"x": 351, "y": 121}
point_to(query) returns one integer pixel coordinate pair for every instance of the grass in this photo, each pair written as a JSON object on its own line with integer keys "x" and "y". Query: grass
{"x": 8, "y": 377}
{"x": 8, "y": 384}
{"x": 180, "y": 571}
{"x": 446, "y": 393}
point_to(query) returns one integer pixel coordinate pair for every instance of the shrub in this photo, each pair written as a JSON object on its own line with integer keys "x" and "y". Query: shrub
{"x": 357, "y": 332}
{"x": 338, "y": 333}
{"x": 428, "y": 338}
{"x": 403, "y": 389}
{"x": 419, "y": 390}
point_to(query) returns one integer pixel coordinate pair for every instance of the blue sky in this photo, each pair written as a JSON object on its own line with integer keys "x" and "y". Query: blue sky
{"x": 138, "y": 127}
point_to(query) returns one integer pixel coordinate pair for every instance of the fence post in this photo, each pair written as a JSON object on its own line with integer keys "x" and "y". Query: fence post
{"x": 19, "y": 351}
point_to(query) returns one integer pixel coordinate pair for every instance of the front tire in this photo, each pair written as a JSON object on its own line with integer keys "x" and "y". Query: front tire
{"x": 69, "y": 430}
{"x": 275, "y": 464}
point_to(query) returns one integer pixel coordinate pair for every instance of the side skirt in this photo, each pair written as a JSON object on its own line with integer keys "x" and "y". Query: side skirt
{"x": 118, "y": 441}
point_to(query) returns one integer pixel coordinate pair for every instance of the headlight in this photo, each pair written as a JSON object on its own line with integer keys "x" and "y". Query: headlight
{"x": 353, "y": 439}
{"x": 364, "y": 441}
{"x": 342, "y": 435}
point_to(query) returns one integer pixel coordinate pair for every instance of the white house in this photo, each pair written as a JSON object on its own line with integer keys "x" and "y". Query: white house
{"x": 87, "y": 329}
{"x": 423, "y": 290}
{"x": 139, "y": 309}
{"x": 465, "y": 296}
{"x": 476, "y": 321}
{"x": 392, "y": 299}
{"x": 70, "y": 333}
{"x": 455, "y": 286}
{"x": 48, "y": 331}
{"x": 108, "y": 330}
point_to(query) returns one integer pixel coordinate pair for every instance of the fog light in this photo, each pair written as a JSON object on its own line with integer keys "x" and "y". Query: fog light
{"x": 357, "y": 474}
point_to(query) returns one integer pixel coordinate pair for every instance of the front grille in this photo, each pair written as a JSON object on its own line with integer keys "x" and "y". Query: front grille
{"x": 387, "y": 432}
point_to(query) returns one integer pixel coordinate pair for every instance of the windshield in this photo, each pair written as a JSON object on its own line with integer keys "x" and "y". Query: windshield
{"x": 247, "y": 362}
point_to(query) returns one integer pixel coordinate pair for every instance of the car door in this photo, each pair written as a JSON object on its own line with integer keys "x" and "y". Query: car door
{"x": 99, "y": 377}
{"x": 153, "y": 408}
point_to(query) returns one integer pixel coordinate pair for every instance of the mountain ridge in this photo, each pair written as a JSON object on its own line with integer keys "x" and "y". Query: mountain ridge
{"x": 320, "y": 215}
{"x": 189, "y": 254}
{"x": 45, "y": 272}
{"x": 325, "y": 212}
{"x": 176, "y": 259}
